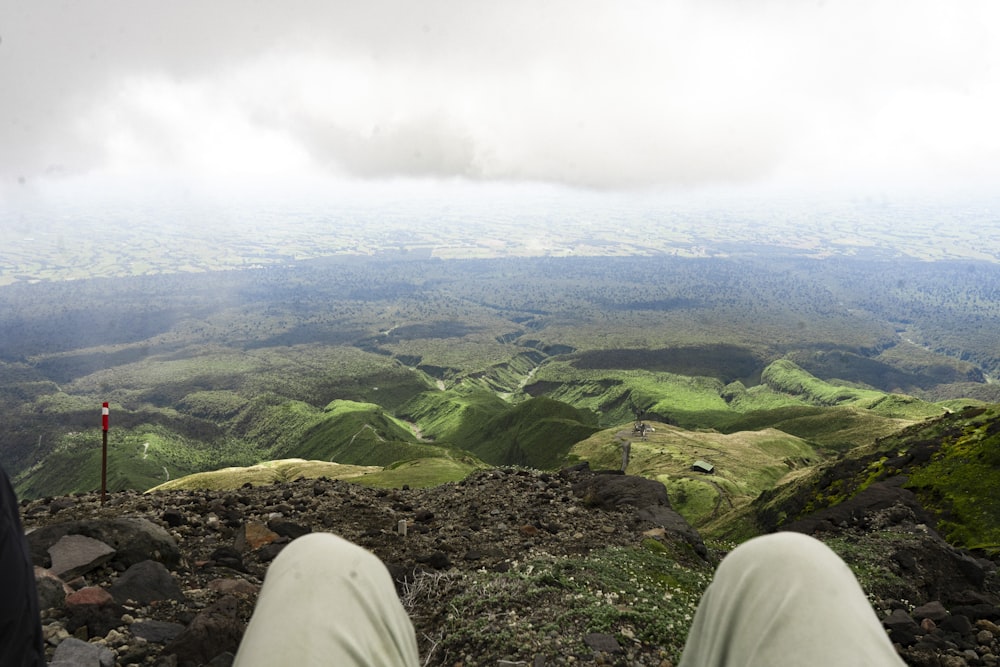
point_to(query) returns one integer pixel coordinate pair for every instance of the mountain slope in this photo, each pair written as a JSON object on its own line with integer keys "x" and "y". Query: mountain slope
{"x": 951, "y": 464}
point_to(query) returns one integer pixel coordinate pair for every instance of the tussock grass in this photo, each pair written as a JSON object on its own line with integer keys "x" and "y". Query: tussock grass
{"x": 642, "y": 594}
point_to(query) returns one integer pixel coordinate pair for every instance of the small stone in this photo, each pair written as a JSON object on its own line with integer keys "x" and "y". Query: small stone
{"x": 898, "y": 619}
{"x": 958, "y": 624}
{"x": 288, "y": 529}
{"x": 114, "y": 638}
{"x": 984, "y": 637}
{"x": 173, "y": 518}
{"x": 233, "y": 586}
{"x": 91, "y": 595}
{"x": 146, "y": 582}
{"x": 985, "y": 624}
{"x": 54, "y": 633}
{"x": 602, "y": 643}
{"x": 932, "y": 610}
{"x": 159, "y": 632}
{"x": 253, "y": 535}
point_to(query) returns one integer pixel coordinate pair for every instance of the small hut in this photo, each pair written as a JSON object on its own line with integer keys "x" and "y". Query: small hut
{"x": 703, "y": 466}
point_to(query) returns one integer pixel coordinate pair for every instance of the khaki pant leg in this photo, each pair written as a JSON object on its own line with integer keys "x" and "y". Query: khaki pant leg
{"x": 782, "y": 600}
{"x": 327, "y": 601}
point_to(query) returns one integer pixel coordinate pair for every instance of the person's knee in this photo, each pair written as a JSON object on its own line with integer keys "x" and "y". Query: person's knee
{"x": 319, "y": 545}
{"x": 784, "y": 552}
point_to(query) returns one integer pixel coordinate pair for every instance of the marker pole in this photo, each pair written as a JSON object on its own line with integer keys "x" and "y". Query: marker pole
{"x": 104, "y": 453}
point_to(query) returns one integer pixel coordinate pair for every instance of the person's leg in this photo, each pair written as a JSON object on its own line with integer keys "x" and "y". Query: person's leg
{"x": 782, "y": 600}
{"x": 326, "y": 601}
{"x": 21, "y": 642}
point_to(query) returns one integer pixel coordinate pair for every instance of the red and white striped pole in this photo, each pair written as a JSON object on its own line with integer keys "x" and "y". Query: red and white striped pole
{"x": 104, "y": 452}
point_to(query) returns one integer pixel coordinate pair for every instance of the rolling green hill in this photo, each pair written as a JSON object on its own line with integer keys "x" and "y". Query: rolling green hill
{"x": 537, "y": 432}
{"x": 211, "y": 428}
{"x": 786, "y": 393}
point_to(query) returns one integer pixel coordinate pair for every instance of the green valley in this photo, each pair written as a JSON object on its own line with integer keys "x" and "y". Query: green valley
{"x": 427, "y": 369}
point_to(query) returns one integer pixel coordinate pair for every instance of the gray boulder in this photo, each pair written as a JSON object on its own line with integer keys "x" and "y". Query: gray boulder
{"x": 74, "y": 555}
{"x": 134, "y": 540}
{"x": 144, "y": 583}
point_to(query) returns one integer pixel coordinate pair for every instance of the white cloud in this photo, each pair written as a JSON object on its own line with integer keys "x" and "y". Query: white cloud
{"x": 605, "y": 95}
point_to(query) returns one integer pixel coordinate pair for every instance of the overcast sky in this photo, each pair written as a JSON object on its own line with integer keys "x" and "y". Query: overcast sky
{"x": 116, "y": 95}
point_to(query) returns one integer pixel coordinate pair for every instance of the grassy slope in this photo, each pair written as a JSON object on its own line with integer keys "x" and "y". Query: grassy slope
{"x": 960, "y": 482}
{"x": 361, "y": 434}
{"x": 951, "y": 462}
{"x": 424, "y": 472}
{"x": 268, "y": 472}
{"x": 537, "y": 432}
{"x": 140, "y": 457}
{"x": 452, "y": 415}
{"x": 746, "y": 463}
{"x": 415, "y": 473}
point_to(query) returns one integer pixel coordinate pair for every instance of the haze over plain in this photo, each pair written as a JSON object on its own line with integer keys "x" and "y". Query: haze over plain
{"x": 303, "y": 104}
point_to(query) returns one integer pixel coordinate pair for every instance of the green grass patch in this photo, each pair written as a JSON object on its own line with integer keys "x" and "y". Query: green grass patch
{"x": 268, "y": 472}
{"x": 425, "y": 472}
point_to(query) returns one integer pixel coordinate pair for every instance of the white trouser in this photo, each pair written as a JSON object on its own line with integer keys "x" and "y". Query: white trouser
{"x": 782, "y": 600}
{"x": 326, "y": 601}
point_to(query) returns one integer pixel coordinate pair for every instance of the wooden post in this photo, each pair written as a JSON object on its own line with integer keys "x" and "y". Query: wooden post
{"x": 104, "y": 453}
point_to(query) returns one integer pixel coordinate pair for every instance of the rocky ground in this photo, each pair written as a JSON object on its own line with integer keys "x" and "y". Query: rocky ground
{"x": 494, "y": 570}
